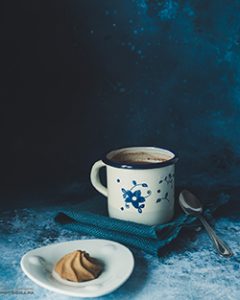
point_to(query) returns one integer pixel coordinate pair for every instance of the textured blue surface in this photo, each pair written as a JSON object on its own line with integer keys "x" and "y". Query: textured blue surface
{"x": 83, "y": 77}
{"x": 192, "y": 271}
{"x": 171, "y": 78}
{"x": 88, "y": 76}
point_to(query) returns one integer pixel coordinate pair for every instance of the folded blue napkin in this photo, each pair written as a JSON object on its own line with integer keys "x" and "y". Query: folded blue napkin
{"x": 91, "y": 218}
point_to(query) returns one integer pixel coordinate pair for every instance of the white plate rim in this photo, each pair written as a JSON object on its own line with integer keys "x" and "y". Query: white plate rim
{"x": 78, "y": 293}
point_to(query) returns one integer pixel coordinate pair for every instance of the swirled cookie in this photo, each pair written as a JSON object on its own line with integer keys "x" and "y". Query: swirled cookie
{"x": 78, "y": 266}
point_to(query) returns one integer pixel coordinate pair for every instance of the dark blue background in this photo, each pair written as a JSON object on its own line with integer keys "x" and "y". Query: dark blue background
{"x": 82, "y": 77}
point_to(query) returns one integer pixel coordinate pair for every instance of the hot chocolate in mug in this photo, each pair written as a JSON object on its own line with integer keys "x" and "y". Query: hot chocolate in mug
{"x": 140, "y": 184}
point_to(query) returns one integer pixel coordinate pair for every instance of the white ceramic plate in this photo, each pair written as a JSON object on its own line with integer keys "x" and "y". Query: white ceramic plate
{"x": 117, "y": 259}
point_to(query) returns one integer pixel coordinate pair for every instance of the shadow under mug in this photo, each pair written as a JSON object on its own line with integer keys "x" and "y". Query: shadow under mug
{"x": 138, "y": 191}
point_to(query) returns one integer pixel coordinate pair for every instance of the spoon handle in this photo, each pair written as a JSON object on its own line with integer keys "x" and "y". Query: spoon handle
{"x": 220, "y": 246}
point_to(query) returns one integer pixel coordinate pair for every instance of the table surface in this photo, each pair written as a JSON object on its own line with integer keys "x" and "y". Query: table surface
{"x": 193, "y": 272}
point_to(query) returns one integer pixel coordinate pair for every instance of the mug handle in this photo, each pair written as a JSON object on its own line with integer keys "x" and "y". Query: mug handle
{"x": 95, "y": 178}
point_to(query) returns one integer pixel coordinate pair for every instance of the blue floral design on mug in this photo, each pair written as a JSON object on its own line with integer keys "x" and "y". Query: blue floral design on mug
{"x": 165, "y": 197}
{"x": 169, "y": 179}
{"x": 135, "y": 197}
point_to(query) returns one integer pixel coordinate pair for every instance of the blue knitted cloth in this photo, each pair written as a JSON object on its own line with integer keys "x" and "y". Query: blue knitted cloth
{"x": 91, "y": 218}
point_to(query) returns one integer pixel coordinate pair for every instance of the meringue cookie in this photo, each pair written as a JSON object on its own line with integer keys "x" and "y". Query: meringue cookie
{"x": 78, "y": 266}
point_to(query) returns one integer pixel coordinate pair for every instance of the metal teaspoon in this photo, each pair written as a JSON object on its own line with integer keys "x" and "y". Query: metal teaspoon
{"x": 192, "y": 206}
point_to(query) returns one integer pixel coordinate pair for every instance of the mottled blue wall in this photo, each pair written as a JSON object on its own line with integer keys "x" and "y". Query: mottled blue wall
{"x": 82, "y": 77}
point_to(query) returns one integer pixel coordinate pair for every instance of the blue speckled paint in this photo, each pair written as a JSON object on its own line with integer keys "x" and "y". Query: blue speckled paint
{"x": 191, "y": 271}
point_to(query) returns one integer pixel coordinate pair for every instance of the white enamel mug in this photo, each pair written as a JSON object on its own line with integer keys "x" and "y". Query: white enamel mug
{"x": 136, "y": 191}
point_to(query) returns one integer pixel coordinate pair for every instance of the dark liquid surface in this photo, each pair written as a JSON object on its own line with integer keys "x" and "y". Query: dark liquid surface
{"x": 141, "y": 158}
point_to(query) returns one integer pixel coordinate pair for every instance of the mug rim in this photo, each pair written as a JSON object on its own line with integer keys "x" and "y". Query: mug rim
{"x": 149, "y": 165}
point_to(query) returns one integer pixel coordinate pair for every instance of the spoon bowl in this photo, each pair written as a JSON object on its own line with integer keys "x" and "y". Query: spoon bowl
{"x": 190, "y": 203}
